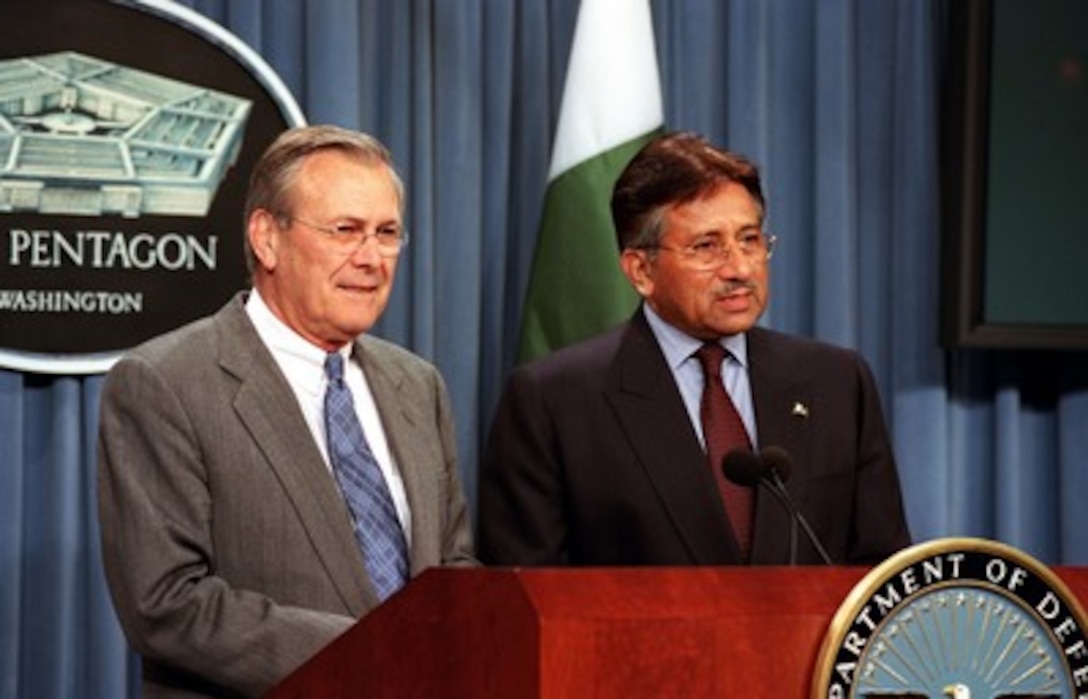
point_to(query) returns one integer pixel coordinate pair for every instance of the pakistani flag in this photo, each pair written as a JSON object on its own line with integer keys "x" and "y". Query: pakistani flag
{"x": 611, "y": 107}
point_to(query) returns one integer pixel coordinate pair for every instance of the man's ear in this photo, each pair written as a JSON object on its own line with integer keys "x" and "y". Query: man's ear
{"x": 638, "y": 268}
{"x": 263, "y": 233}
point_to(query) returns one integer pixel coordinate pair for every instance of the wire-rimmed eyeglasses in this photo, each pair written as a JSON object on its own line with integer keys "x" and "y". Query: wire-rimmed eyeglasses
{"x": 711, "y": 252}
{"x": 349, "y": 236}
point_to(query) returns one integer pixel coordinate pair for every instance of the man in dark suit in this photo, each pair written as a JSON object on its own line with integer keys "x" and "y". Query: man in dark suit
{"x": 231, "y": 550}
{"x": 598, "y": 453}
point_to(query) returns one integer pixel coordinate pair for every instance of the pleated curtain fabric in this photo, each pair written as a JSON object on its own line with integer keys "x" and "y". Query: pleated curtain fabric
{"x": 377, "y": 529}
{"x": 723, "y": 431}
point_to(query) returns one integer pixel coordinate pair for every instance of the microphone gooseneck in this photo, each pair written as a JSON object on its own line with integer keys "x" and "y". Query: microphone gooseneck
{"x": 772, "y": 467}
{"x": 779, "y": 465}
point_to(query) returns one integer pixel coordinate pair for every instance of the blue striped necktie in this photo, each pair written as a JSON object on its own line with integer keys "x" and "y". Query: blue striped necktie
{"x": 377, "y": 529}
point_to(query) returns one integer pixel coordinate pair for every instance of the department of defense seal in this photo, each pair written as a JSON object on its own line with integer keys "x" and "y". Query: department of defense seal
{"x": 960, "y": 618}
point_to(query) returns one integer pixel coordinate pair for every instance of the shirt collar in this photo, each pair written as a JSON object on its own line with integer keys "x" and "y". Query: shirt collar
{"x": 303, "y": 357}
{"x": 678, "y": 346}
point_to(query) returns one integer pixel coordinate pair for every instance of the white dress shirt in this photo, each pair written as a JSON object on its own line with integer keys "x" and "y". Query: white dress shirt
{"x": 303, "y": 365}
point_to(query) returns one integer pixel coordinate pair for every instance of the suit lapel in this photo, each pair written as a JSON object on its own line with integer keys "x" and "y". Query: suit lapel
{"x": 650, "y": 410}
{"x": 782, "y": 399}
{"x": 269, "y": 410}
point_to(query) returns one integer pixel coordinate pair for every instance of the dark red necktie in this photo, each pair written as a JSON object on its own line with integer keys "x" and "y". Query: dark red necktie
{"x": 724, "y": 431}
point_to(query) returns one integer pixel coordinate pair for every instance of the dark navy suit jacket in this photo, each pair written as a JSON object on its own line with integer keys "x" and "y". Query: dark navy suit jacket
{"x": 592, "y": 459}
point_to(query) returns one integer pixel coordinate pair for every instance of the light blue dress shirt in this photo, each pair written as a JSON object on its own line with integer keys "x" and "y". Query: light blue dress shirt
{"x": 679, "y": 349}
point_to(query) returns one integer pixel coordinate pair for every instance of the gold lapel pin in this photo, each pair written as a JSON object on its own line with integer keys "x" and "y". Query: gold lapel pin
{"x": 799, "y": 409}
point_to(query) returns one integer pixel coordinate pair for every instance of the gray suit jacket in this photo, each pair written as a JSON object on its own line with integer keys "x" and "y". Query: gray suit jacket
{"x": 228, "y": 548}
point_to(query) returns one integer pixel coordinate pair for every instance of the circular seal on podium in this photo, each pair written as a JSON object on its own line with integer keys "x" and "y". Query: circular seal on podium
{"x": 961, "y": 618}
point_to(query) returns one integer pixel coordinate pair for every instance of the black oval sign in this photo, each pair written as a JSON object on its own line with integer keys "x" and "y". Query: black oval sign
{"x": 128, "y": 131}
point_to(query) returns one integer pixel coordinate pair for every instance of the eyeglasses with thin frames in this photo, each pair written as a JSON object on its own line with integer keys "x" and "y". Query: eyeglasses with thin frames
{"x": 349, "y": 237}
{"x": 711, "y": 252}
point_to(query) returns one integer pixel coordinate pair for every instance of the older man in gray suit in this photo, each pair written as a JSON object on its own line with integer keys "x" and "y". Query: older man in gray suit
{"x": 231, "y": 550}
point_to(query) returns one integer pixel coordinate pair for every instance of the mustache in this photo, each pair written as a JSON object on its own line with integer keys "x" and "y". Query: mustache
{"x": 734, "y": 285}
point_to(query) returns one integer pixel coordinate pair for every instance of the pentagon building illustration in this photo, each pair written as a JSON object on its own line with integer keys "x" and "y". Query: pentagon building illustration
{"x": 82, "y": 136}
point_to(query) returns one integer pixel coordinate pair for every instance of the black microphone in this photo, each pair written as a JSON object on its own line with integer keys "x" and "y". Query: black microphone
{"x": 778, "y": 462}
{"x": 743, "y": 467}
{"x": 772, "y": 467}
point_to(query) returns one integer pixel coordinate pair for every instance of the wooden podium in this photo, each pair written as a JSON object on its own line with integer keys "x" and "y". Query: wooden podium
{"x": 599, "y": 633}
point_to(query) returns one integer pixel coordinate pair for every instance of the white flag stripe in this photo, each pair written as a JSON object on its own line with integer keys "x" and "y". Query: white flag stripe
{"x": 613, "y": 92}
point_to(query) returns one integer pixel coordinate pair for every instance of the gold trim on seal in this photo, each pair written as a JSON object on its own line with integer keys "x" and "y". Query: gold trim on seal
{"x": 946, "y": 616}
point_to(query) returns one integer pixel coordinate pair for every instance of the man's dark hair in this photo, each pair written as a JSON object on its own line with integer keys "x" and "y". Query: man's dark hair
{"x": 673, "y": 169}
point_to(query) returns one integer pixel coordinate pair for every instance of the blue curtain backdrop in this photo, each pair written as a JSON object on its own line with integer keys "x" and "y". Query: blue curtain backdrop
{"x": 837, "y": 99}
